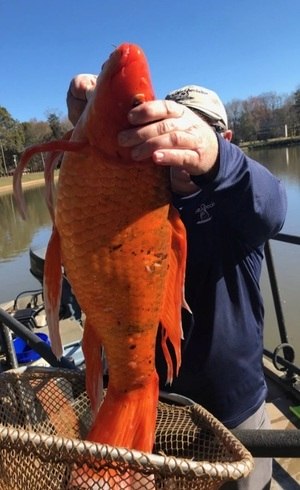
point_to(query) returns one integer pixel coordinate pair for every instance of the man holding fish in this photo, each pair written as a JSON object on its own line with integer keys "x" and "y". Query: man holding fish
{"x": 230, "y": 205}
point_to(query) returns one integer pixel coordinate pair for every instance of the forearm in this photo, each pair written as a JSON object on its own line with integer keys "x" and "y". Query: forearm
{"x": 253, "y": 200}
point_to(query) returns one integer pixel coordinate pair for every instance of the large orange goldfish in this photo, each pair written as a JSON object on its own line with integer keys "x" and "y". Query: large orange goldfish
{"x": 123, "y": 247}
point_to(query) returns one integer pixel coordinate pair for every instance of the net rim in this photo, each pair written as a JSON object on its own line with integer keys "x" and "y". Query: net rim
{"x": 169, "y": 465}
{"x": 61, "y": 447}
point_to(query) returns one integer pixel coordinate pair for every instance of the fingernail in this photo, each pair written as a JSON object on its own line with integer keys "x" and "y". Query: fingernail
{"x": 159, "y": 156}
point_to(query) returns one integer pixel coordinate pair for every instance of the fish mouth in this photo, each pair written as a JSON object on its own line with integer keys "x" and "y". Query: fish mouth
{"x": 122, "y": 57}
{"x": 128, "y": 73}
{"x": 129, "y": 53}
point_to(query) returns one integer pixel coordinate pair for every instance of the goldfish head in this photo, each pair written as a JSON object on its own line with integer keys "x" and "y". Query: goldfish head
{"x": 123, "y": 83}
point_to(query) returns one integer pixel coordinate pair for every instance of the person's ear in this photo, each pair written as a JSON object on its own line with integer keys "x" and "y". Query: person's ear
{"x": 227, "y": 135}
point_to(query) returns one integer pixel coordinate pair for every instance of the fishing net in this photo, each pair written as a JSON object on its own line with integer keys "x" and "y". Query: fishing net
{"x": 45, "y": 415}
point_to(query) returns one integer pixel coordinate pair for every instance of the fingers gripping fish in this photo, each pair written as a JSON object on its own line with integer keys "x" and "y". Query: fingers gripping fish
{"x": 123, "y": 247}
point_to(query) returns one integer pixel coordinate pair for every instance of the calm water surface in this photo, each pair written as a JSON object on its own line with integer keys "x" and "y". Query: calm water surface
{"x": 285, "y": 163}
{"x": 17, "y": 236}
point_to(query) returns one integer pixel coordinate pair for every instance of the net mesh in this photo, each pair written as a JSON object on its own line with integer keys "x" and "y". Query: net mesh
{"x": 44, "y": 418}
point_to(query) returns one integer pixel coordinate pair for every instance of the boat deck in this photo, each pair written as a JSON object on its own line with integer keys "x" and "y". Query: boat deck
{"x": 286, "y": 471}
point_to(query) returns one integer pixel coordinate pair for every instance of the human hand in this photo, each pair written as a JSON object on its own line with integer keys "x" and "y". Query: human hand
{"x": 168, "y": 132}
{"x": 80, "y": 89}
{"x": 171, "y": 134}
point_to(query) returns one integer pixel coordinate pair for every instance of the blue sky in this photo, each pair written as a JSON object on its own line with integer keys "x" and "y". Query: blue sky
{"x": 238, "y": 48}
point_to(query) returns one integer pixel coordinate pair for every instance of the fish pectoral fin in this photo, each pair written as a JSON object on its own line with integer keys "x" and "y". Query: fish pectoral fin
{"x": 174, "y": 298}
{"x": 52, "y": 290}
{"x": 92, "y": 350}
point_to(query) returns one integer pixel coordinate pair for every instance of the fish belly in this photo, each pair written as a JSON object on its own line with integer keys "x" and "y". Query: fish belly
{"x": 115, "y": 243}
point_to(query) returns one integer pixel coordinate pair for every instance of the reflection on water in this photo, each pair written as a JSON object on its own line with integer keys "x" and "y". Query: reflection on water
{"x": 285, "y": 163}
{"x": 17, "y": 236}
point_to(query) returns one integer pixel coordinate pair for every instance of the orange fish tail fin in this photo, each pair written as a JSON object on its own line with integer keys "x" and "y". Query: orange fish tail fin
{"x": 174, "y": 294}
{"x": 128, "y": 418}
{"x": 52, "y": 290}
{"x": 93, "y": 367}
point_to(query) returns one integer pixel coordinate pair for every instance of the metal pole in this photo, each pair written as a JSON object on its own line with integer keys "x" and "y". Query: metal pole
{"x": 7, "y": 345}
{"x": 275, "y": 293}
{"x": 270, "y": 443}
{"x": 33, "y": 341}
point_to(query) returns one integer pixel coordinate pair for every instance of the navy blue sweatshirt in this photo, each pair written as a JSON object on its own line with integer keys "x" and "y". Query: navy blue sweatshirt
{"x": 228, "y": 222}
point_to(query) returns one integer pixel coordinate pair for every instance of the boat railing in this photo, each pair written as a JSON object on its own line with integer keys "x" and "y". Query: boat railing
{"x": 283, "y": 356}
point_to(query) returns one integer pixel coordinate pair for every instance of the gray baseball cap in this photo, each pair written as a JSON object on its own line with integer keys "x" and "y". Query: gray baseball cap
{"x": 204, "y": 101}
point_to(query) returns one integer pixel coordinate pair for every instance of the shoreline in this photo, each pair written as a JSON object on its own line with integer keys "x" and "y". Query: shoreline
{"x": 8, "y": 188}
{"x": 270, "y": 143}
{"x": 29, "y": 180}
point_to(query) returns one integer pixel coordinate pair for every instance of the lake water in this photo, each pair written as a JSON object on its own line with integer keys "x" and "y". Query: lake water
{"x": 17, "y": 236}
{"x": 285, "y": 163}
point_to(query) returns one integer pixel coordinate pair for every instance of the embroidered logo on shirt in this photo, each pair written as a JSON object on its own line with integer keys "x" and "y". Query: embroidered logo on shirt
{"x": 203, "y": 213}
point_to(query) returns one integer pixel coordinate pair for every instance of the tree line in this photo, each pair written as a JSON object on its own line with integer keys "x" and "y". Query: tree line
{"x": 15, "y": 136}
{"x": 265, "y": 116}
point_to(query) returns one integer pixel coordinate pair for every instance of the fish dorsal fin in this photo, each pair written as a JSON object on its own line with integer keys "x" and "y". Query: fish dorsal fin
{"x": 174, "y": 294}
